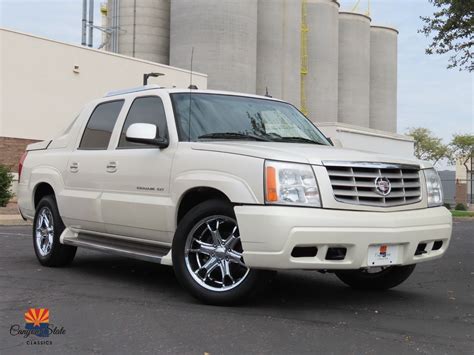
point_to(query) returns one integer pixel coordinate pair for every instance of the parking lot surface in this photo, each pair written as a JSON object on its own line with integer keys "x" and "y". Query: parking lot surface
{"x": 108, "y": 304}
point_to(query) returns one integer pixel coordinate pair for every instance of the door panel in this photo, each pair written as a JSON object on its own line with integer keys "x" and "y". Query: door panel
{"x": 136, "y": 198}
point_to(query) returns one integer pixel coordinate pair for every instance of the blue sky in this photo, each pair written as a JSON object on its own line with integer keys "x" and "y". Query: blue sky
{"x": 429, "y": 95}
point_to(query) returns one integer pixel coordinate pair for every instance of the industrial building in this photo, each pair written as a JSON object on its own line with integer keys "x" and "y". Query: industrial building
{"x": 44, "y": 85}
{"x": 335, "y": 66}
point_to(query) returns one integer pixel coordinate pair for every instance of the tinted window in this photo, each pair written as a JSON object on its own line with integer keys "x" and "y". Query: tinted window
{"x": 147, "y": 109}
{"x": 212, "y": 114}
{"x": 100, "y": 126}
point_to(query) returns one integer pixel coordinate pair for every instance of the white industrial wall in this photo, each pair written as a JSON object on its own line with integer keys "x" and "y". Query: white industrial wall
{"x": 383, "y": 78}
{"x": 224, "y": 36}
{"x": 278, "y": 49}
{"x": 323, "y": 52}
{"x": 354, "y": 69}
{"x": 40, "y": 93}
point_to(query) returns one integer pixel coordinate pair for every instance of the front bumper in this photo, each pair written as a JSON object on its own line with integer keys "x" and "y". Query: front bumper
{"x": 270, "y": 233}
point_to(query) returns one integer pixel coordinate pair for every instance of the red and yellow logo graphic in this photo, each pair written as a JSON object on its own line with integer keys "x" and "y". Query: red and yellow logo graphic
{"x": 37, "y": 316}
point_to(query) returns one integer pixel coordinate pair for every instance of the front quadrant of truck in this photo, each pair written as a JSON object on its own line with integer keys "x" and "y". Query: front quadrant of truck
{"x": 227, "y": 188}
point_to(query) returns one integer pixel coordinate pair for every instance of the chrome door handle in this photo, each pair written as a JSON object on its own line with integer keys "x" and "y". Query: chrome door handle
{"x": 74, "y": 167}
{"x": 112, "y": 167}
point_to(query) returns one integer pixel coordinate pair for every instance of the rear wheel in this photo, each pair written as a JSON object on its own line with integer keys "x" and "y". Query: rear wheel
{"x": 381, "y": 278}
{"x": 207, "y": 255}
{"x": 47, "y": 228}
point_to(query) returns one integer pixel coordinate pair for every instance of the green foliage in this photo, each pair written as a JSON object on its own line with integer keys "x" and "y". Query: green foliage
{"x": 460, "y": 207}
{"x": 427, "y": 146}
{"x": 452, "y": 27}
{"x": 6, "y": 179}
{"x": 447, "y": 205}
{"x": 462, "y": 213}
{"x": 462, "y": 147}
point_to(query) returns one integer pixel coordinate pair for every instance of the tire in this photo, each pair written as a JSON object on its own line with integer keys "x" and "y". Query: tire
{"x": 213, "y": 275}
{"x": 383, "y": 280}
{"x": 48, "y": 249}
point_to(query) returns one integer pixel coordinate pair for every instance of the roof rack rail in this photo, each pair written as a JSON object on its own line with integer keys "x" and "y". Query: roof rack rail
{"x": 137, "y": 89}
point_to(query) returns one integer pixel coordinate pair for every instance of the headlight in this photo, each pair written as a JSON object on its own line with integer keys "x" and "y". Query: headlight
{"x": 433, "y": 187}
{"x": 291, "y": 184}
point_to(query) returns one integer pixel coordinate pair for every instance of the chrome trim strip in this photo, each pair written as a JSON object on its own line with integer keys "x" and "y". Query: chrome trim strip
{"x": 364, "y": 164}
{"x": 132, "y": 90}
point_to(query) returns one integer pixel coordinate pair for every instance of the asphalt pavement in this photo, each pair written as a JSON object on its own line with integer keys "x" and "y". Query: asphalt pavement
{"x": 112, "y": 305}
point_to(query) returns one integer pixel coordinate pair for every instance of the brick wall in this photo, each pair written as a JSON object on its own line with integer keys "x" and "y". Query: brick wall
{"x": 11, "y": 150}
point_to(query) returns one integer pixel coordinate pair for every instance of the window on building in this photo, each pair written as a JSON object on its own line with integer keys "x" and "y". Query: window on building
{"x": 100, "y": 126}
{"x": 147, "y": 109}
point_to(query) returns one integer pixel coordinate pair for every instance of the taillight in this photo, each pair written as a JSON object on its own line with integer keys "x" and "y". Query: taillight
{"x": 20, "y": 165}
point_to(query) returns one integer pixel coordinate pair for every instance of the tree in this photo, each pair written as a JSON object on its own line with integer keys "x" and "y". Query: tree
{"x": 427, "y": 146}
{"x": 6, "y": 179}
{"x": 452, "y": 27}
{"x": 462, "y": 147}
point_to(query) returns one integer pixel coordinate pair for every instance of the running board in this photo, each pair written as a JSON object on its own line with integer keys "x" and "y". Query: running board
{"x": 130, "y": 249}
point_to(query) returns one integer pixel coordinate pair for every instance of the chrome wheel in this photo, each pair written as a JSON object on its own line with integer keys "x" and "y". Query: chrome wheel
{"x": 213, "y": 254}
{"x": 44, "y": 231}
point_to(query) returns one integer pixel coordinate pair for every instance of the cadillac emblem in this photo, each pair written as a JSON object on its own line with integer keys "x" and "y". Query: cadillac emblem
{"x": 383, "y": 185}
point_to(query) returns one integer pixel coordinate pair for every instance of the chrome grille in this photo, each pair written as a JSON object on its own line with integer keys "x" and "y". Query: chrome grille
{"x": 355, "y": 183}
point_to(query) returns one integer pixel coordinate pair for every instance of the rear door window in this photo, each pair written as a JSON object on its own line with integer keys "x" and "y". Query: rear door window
{"x": 100, "y": 126}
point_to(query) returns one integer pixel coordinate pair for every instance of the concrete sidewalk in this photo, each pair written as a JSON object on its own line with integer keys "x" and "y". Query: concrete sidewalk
{"x": 12, "y": 219}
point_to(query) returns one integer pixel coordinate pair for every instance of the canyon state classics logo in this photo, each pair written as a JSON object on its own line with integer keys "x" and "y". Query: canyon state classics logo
{"x": 37, "y": 325}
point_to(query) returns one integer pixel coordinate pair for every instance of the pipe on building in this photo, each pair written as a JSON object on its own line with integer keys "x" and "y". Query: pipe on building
{"x": 91, "y": 23}
{"x": 84, "y": 23}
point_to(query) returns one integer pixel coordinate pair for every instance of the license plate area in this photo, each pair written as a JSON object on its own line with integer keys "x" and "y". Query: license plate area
{"x": 383, "y": 254}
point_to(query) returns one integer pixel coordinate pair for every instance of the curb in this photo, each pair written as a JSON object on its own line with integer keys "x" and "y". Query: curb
{"x": 12, "y": 219}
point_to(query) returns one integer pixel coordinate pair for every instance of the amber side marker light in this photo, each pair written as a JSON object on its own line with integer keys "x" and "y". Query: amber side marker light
{"x": 271, "y": 187}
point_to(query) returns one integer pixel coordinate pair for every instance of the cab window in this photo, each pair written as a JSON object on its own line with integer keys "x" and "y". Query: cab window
{"x": 148, "y": 109}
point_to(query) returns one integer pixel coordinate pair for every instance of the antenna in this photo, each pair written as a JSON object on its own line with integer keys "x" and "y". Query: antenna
{"x": 266, "y": 92}
{"x": 190, "y": 94}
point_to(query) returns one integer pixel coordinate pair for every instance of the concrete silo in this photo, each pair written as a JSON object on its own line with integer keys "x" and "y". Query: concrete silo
{"x": 383, "y": 78}
{"x": 321, "y": 83}
{"x": 144, "y": 28}
{"x": 354, "y": 69}
{"x": 224, "y": 36}
{"x": 278, "y": 49}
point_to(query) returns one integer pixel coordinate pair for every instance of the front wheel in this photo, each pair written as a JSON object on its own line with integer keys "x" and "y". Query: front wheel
{"x": 207, "y": 255}
{"x": 382, "y": 278}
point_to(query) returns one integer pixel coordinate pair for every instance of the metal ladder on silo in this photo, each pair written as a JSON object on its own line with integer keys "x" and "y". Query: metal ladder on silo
{"x": 304, "y": 56}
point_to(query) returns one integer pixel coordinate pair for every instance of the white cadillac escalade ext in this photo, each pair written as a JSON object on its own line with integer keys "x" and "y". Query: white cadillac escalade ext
{"x": 226, "y": 187}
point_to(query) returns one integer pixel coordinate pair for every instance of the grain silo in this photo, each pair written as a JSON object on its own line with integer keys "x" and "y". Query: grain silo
{"x": 321, "y": 83}
{"x": 383, "y": 78}
{"x": 224, "y": 36}
{"x": 354, "y": 69}
{"x": 143, "y": 28}
{"x": 278, "y": 49}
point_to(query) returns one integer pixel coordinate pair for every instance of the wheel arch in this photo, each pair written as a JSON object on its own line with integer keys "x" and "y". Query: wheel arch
{"x": 196, "y": 195}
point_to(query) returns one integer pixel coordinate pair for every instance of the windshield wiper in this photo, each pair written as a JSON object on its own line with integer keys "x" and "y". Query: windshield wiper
{"x": 299, "y": 140}
{"x": 233, "y": 135}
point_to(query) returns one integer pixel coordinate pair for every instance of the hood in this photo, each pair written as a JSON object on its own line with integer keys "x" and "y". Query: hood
{"x": 301, "y": 153}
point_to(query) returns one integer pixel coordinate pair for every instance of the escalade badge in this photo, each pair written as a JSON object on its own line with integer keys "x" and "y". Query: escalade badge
{"x": 383, "y": 185}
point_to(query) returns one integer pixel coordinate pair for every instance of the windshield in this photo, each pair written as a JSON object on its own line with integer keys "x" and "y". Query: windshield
{"x": 216, "y": 116}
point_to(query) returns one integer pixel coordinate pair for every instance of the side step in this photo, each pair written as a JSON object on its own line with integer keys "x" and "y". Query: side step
{"x": 134, "y": 250}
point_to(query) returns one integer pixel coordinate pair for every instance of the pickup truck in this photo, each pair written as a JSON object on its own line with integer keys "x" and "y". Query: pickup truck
{"x": 227, "y": 188}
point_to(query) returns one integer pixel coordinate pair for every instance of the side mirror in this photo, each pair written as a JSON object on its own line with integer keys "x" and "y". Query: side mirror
{"x": 145, "y": 133}
{"x": 335, "y": 142}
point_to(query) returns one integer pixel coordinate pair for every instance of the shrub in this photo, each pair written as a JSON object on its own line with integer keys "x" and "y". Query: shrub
{"x": 447, "y": 205}
{"x": 460, "y": 207}
{"x": 6, "y": 179}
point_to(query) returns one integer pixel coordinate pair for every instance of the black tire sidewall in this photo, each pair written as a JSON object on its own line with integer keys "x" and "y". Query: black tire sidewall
{"x": 59, "y": 254}
{"x": 195, "y": 215}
